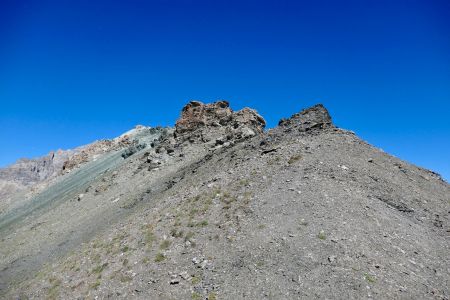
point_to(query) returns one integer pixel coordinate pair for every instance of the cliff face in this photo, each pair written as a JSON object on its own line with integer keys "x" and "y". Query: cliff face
{"x": 218, "y": 208}
{"x": 26, "y": 172}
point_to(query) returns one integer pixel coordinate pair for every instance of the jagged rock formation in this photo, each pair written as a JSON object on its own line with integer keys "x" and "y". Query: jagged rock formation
{"x": 316, "y": 117}
{"x": 203, "y": 211}
{"x": 27, "y": 173}
{"x": 217, "y": 122}
{"x": 30, "y": 171}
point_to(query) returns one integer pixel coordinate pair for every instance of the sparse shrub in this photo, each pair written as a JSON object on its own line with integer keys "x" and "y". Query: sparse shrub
{"x": 149, "y": 237}
{"x": 203, "y": 223}
{"x": 196, "y": 296}
{"x": 294, "y": 159}
{"x": 189, "y": 236}
{"x": 322, "y": 235}
{"x": 160, "y": 257}
{"x": 193, "y": 212}
{"x": 96, "y": 258}
{"x": 164, "y": 245}
{"x": 99, "y": 269}
{"x": 97, "y": 244}
{"x": 369, "y": 278}
{"x": 176, "y": 233}
{"x": 243, "y": 182}
{"x": 53, "y": 292}
{"x": 212, "y": 296}
{"x": 125, "y": 278}
{"x": 96, "y": 284}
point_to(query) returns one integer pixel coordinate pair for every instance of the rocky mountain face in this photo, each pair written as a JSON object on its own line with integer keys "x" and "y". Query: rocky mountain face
{"x": 218, "y": 208}
{"x": 27, "y": 177}
{"x": 25, "y": 174}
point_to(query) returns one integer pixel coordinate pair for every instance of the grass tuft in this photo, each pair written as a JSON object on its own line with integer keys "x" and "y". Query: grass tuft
{"x": 294, "y": 158}
{"x": 160, "y": 257}
{"x": 164, "y": 245}
{"x": 322, "y": 235}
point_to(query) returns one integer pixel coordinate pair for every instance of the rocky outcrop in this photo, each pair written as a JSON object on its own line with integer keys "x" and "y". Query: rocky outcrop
{"x": 94, "y": 150}
{"x": 315, "y": 117}
{"x": 26, "y": 172}
{"x": 217, "y": 123}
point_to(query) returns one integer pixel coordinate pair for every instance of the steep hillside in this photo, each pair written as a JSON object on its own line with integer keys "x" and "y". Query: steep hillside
{"x": 218, "y": 208}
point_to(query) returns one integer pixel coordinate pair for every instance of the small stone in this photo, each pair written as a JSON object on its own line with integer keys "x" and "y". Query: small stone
{"x": 185, "y": 275}
{"x": 247, "y": 132}
{"x": 204, "y": 264}
{"x": 332, "y": 259}
{"x": 175, "y": 281}
{"x": 220, "y": 141}
{"x": 80, "y": 196}
{"x": 196, "y": 260}
{"x": 343, "y": 167}
{"x": 370, "y": 160}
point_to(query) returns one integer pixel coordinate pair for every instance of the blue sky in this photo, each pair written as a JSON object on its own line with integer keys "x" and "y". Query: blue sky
{"x": 75, "y": 71}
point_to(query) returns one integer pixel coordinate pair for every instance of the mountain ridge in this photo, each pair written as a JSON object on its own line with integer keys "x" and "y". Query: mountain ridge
{"x": 218, "y": 207}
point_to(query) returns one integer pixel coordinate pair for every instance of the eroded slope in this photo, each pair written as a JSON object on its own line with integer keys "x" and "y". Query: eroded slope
{"x": 305, "y": 210}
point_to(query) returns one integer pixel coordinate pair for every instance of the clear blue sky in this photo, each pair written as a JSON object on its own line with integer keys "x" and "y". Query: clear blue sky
{"x": 75, "y": 71}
